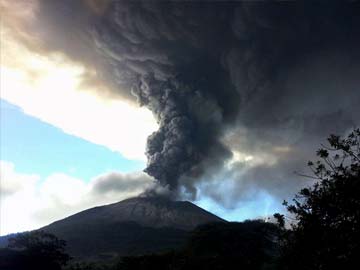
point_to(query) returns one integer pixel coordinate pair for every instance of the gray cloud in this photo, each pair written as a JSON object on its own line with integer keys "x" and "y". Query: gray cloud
{"x": 103, "y": 189}
{"x": 272, "y": 75}
{"x": 115, "y": 182}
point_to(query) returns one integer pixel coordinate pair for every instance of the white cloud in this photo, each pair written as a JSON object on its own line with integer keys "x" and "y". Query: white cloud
{"x": 18, "y": 181}
{"x": 29, "y": 202}
{"x": 53, "y": 89}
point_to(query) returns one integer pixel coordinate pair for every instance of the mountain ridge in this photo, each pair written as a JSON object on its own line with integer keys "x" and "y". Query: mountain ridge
{"x": 153, "y": 212}
{"x": 134, "y": 226}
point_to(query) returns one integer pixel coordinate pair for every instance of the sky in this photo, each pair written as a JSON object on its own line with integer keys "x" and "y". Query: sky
{"x": 46, "y": 174}
{"x": 216, "y": 103}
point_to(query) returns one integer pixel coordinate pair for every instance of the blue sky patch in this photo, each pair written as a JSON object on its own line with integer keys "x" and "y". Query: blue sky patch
{"x": 36, "y": 147}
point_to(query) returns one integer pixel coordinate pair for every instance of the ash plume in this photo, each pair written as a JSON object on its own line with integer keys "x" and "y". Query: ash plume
{"x": 198, "y": 68}
{"x": 189, "y": 92}
{"x": 267, "y": 71}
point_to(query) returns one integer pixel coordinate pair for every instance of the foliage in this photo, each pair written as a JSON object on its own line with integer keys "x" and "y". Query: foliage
{"x": 326, "y": 232}
{"x": 34, "y": 250}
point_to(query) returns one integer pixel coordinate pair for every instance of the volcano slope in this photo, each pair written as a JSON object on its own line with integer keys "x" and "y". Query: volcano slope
{"x": 135, "y": 226}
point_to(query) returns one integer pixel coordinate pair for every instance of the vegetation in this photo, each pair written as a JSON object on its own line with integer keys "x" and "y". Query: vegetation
{"x": 34, "y": 250}
{"x": 326, "y": 231}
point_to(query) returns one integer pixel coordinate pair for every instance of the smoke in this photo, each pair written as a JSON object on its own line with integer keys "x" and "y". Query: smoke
{"x": 253, "y": 79}
{"x": 160, "y": 53}
{"x": 201, "y": 67}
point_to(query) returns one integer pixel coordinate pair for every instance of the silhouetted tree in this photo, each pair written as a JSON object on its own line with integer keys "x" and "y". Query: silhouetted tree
{"x": 35, "y": 250}
{"x": 327, "y": 231}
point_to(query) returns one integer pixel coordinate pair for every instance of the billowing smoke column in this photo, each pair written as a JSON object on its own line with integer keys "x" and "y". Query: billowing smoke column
{"x": 196, "y": 65}
{"x": 171, "y": 61}
{"x": 276, "y": 71}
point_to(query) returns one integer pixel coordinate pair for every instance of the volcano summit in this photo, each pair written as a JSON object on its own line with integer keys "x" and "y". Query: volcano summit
{"x": 133, "y": 226}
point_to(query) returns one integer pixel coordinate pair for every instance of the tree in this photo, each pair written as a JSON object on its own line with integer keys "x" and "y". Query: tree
{"x": 34, "y": 250}
{"x": 326, "y": 231}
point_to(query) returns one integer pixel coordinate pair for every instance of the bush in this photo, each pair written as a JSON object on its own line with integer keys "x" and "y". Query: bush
{"x": 327, "y": 228}
{"x": 34, "y": 251}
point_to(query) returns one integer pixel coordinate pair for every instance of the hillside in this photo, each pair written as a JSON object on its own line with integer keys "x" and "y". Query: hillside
{"x": 130, "y": 227}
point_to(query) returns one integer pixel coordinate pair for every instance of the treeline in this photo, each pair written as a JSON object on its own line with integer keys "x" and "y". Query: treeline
{"x": 321, "y": 230}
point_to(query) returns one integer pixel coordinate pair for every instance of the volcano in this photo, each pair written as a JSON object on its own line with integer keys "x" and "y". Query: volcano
{"x": 134, "y": 226}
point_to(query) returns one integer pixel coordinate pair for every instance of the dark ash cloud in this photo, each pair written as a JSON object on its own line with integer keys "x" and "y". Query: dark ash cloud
{"x": 281, "y": 74}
